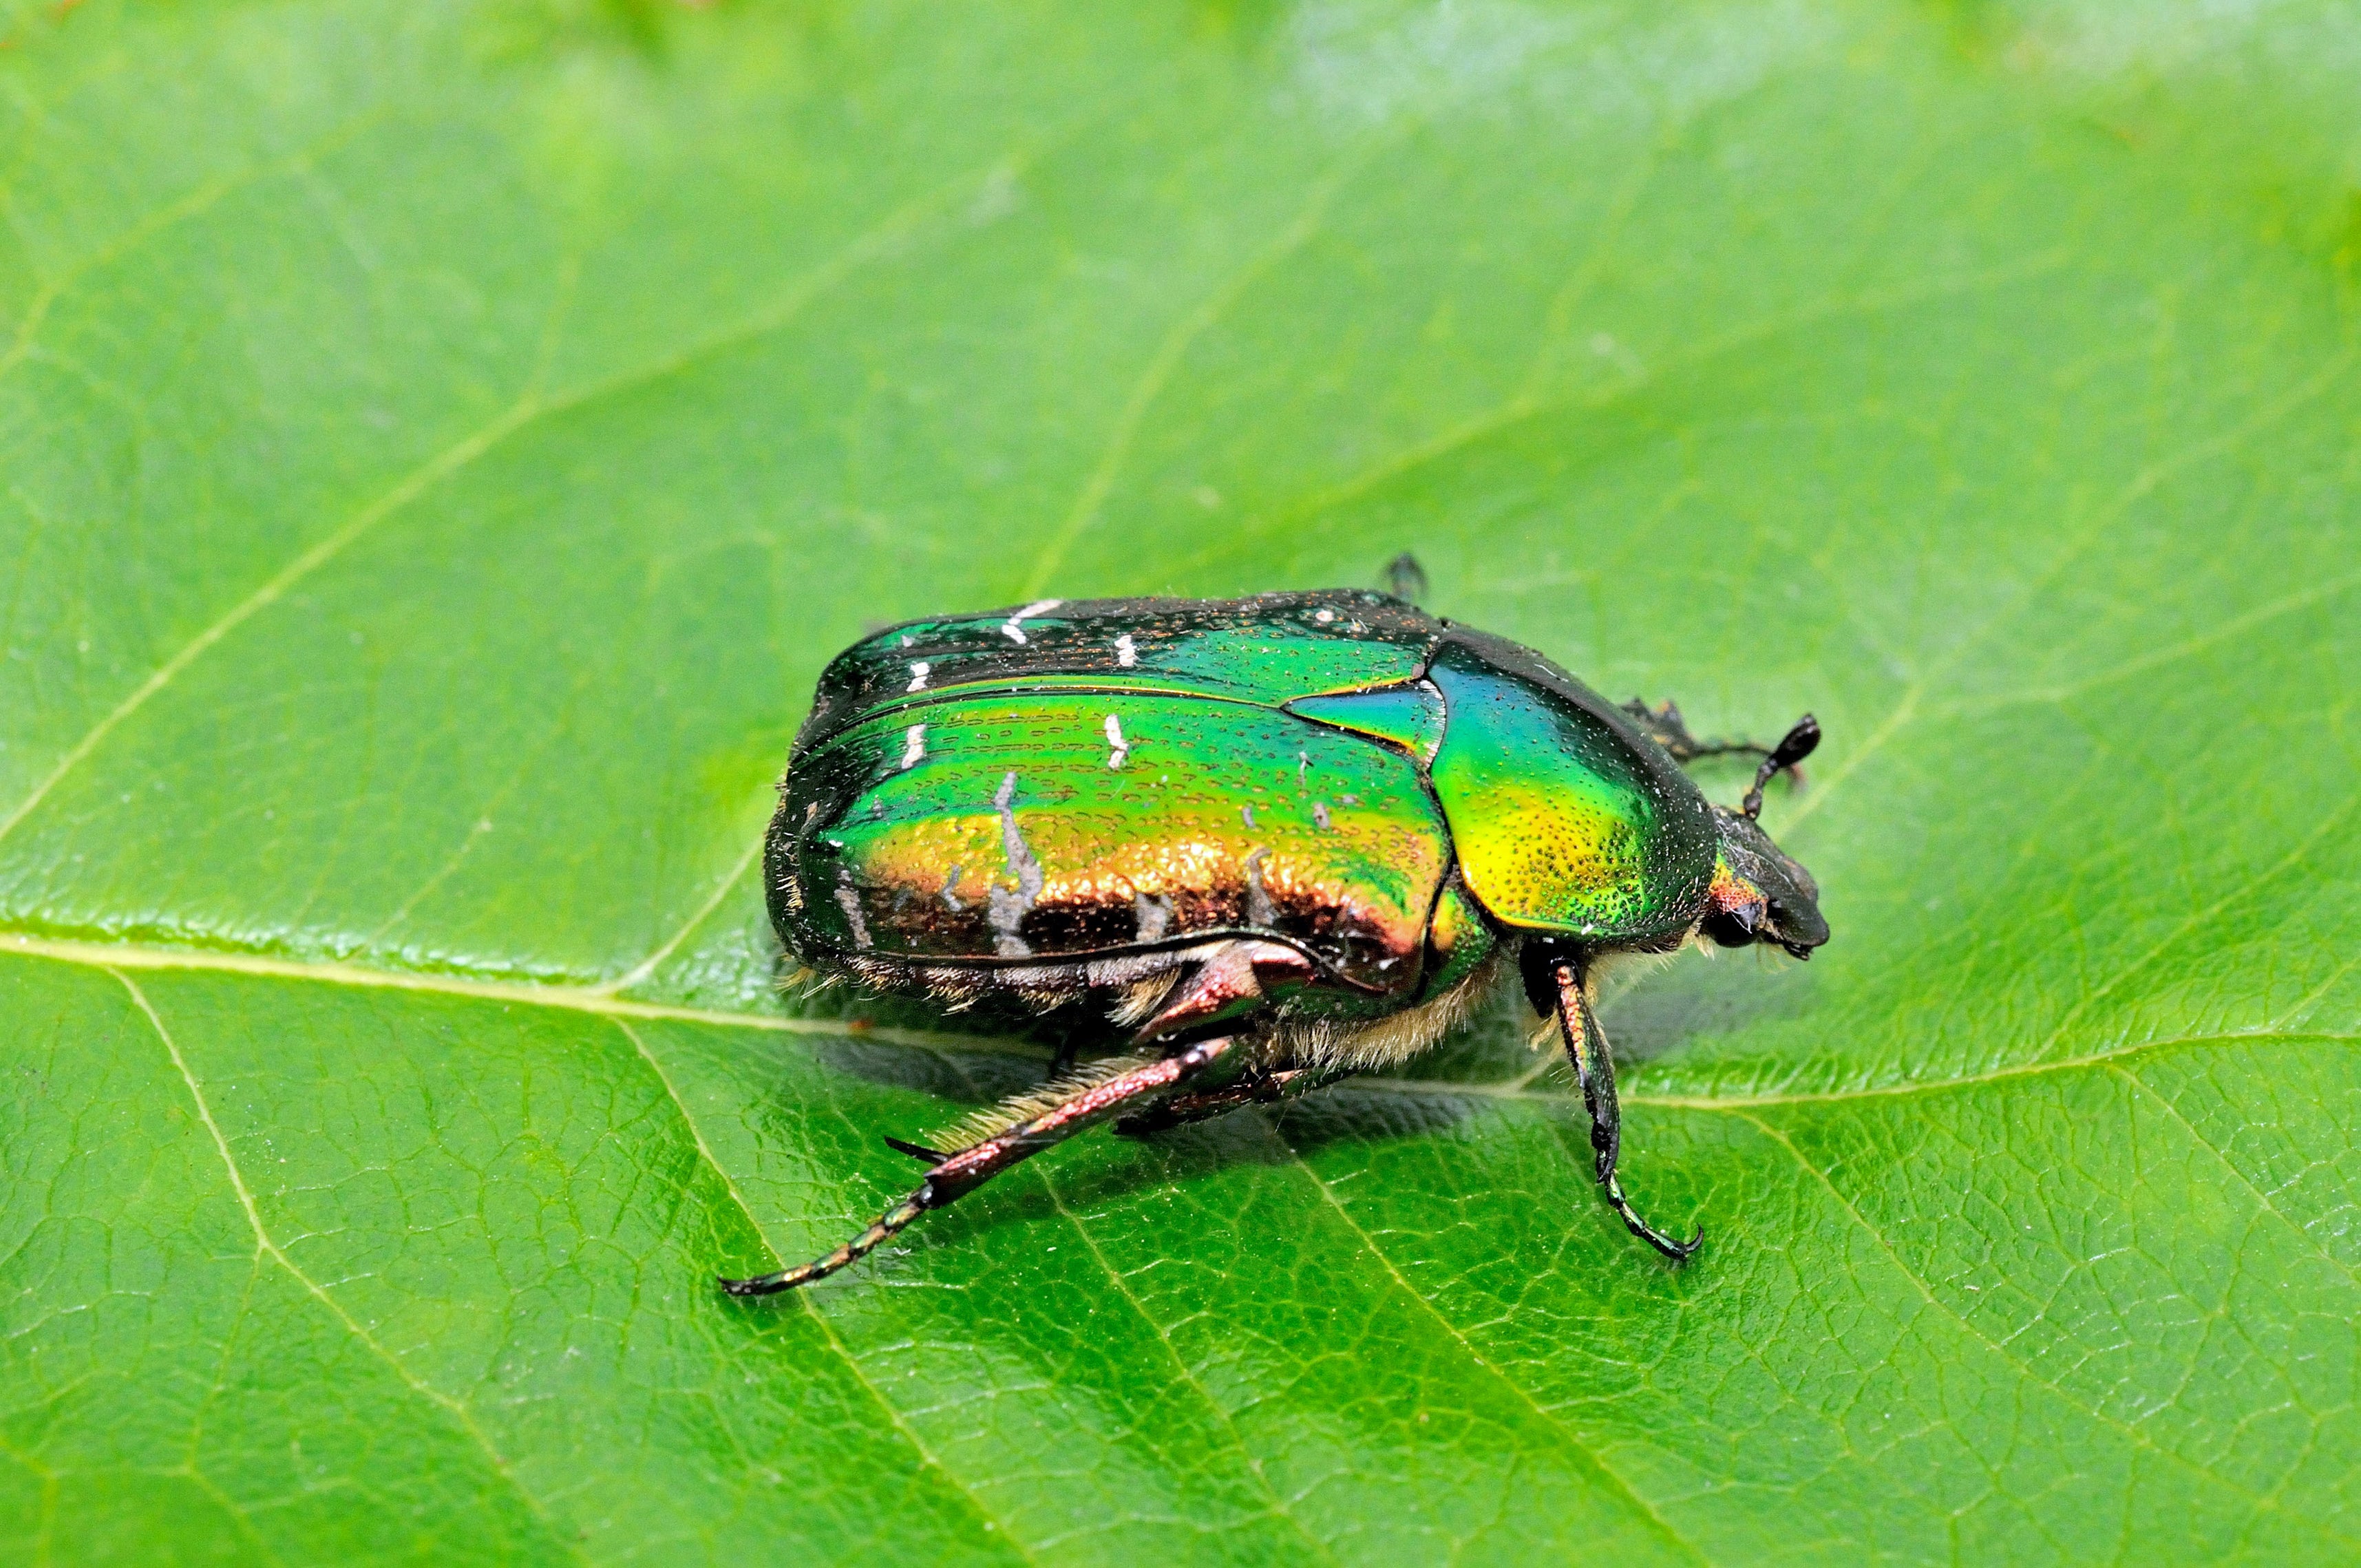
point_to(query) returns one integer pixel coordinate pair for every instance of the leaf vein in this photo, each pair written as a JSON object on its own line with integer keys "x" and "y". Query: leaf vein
{"x": 1188, "y": 1373}
{"x": 2141, "y": 485}
{"x": 2199, "y": 918}
{"x": 2262, "y": 1199}
{"x": 568, "y": 998}
{"x": 529, "y": 407}
{"x": 1646, "y": 1508}
{"x": 192, "y": 203}
{"x": 1525, "y": 405}
{"x": 1739, "y": 1104}
{"x": 1999, "y": 1348}
{"x": 265, "y": 1245}
{"x": 1160, "y": 367}
{"x": 820, "y": 1318}
{"x": 664, "y": 950}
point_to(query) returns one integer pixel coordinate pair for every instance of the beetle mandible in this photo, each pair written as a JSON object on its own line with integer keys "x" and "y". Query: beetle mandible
{"x": 1275, "y": 841}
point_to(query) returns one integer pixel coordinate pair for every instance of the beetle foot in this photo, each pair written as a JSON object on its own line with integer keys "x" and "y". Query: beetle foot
{"x": 888, "y": 1226}
{"x": 1679, "y": 1252}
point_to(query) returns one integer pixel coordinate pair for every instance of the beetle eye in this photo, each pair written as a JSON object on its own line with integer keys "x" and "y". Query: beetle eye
{"x": 1734, "y": 927}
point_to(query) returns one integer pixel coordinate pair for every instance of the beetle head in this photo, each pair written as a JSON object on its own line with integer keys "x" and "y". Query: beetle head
{"x": 1757, "y": 893}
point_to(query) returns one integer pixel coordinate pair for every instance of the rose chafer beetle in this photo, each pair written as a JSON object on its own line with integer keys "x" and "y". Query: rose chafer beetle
{"x": 1275, "y": 840}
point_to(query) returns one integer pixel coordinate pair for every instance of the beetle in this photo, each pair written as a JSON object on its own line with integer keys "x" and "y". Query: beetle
{"x": 1274, "y": 840}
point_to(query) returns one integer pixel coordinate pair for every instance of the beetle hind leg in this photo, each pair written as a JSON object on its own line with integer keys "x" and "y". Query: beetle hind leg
{"x": 1261, "y": 1087}
{"x": 1594, "y": 1068}
{"x": 1135, "y": 1085}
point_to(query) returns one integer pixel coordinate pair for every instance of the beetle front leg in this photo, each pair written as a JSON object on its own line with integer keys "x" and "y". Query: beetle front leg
{"x": 1666, "y": 727}
{"x": 1594, "y": 1068}
{"x": 970, "y": 1168}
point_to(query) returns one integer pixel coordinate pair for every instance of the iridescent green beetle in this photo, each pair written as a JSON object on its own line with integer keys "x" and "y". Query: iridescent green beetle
{"x": 1275, "y": 840}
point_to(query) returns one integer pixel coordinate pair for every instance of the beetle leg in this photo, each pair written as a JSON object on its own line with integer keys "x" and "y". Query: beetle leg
{"x": 1061, "y": 1062}
{"x": 1666, "y": 727}
{"x": 1256, "y": 1089}
{"x": 1585, "y": 1047}
{"x": 970, "y": 1168}
{"x": 1405, "y": 578}
{"x": 1231, "y": 981}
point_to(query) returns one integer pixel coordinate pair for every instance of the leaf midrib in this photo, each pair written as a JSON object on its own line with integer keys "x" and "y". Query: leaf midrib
{"x": 600, "y": 1001}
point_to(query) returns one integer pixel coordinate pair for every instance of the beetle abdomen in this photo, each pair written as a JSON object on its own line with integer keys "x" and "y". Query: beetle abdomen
{"x": 1018, "y": 828}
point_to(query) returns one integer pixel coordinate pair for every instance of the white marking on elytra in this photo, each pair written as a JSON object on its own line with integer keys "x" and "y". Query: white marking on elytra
{"x": 1125, "y": 654}
{"x": 951, "y": 889}
{"x": 1320, "y": 813}
{"x": 1008, "y": 908}
{"x": 850, "y": 902}
{"x": 1303, "y": 766}
{"x": 1324, "y": 615}
{"x": 1259, "y": 912}
{"x": 919, "y": 676}
{"x": 1114, "y": 739}
{"x": 914, "y": 746}
{"x": 1247, "y": 812}
{"x": 1013, "y": 627}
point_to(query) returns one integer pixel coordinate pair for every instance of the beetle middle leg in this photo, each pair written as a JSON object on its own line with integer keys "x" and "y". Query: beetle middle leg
{"x": 1071, "y": 1039}
{"x": 963, "y": 1171}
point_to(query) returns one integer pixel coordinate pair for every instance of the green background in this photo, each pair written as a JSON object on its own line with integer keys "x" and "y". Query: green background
{"x": 440, "y": 444}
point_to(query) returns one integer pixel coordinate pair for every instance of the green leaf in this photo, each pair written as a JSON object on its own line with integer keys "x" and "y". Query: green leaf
{"x": 443, "y": 443}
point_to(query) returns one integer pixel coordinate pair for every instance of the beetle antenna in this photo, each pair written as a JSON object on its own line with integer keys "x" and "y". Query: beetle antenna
{"x": 1793, "y": 748}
